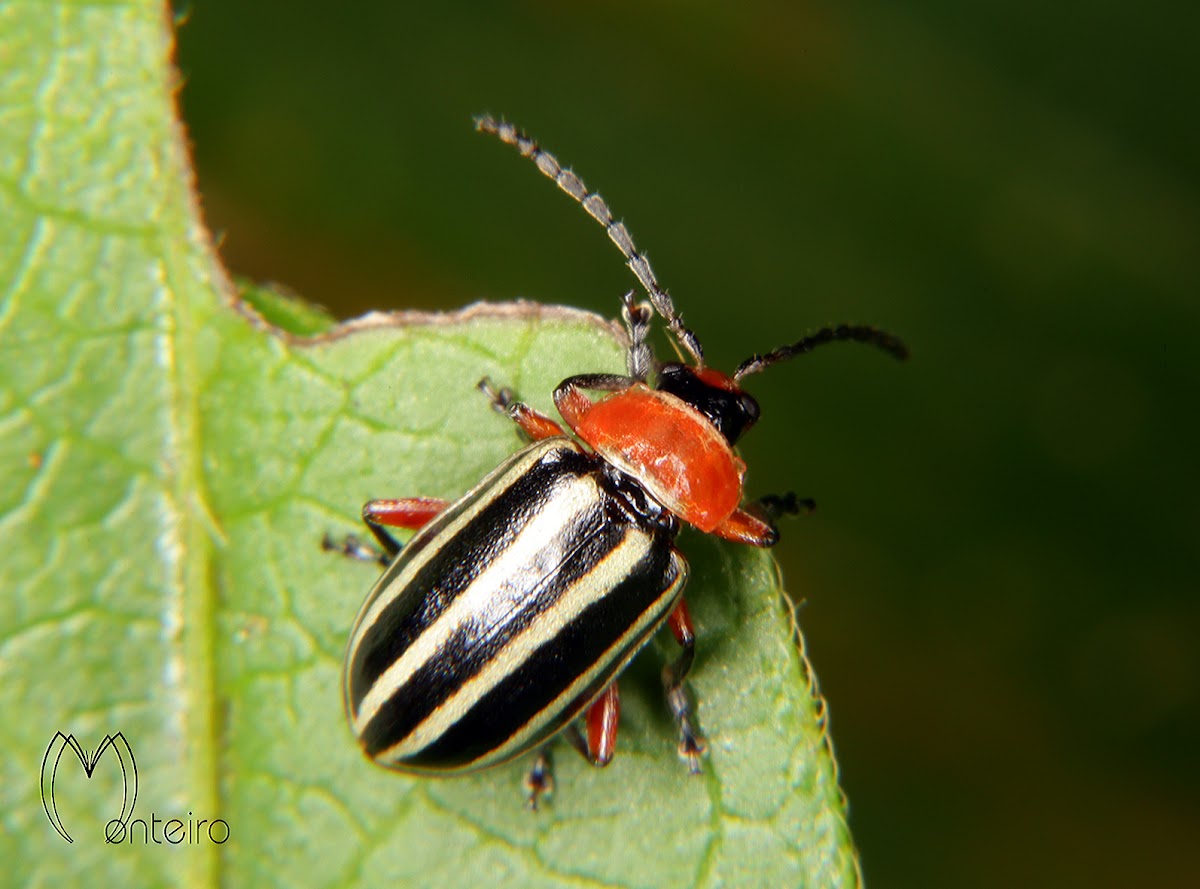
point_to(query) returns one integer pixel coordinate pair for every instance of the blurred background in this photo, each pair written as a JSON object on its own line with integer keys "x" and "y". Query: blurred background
{"x": 1000, "y": 582}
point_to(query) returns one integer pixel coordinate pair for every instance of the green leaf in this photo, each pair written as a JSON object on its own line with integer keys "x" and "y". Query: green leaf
{"x": 168, "y": 464}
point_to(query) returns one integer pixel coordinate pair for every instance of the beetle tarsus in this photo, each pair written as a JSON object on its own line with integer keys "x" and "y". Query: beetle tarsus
{"x": 539, "y": 781}
{"x": 352, "y": 547}
{"x": 533, "y": 423}
{"x": 500, "y": 398}
{"x": 774, "y": 506}
{"x": 691, "y": 744}
{"x": 691, "y": 748}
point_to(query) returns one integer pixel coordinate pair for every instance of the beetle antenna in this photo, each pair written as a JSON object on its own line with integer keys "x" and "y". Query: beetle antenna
{"x": 859, "y": 333}
{"x": 598, "y": 210}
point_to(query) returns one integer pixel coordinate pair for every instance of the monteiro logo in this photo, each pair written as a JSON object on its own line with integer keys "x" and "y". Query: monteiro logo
{"x": 124, "y": 757}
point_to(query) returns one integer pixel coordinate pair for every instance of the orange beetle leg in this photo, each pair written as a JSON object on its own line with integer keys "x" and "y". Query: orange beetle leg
{"x": 601, "y": 720}
{"x": 534, "y": 424}
{"x": 743, "y": 527}
{"x": 411, "y": 512}
{"x": 572, "y": 404}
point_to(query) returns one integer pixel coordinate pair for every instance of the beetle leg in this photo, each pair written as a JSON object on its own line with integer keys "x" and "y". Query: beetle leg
{"x": 601, "y": 720}
{"x": 539, "y": 781}
{"x": 691, "y": 744}
{"x": 572, "y": 404}
{"x": 534, "y": 424}
{"x": 353, "y": 548}
{"x": 596, "y": 383}
{"x": 745, "y": 527}
{"x": 755, "y": 524}
{"x": 410, "y": 512}
{"x": 774, "y": 506}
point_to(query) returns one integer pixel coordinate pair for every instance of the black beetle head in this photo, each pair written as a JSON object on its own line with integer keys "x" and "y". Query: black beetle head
{"x": 714, "y": 394}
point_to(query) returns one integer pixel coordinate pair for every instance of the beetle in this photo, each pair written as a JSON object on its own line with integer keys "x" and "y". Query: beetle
{"x": 512, "y": 611}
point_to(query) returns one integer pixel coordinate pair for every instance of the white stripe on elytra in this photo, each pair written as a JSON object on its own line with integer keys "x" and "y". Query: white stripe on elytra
{"x": 496, "y": 592}
{"x": 519, "y": 740}
{"x": 589, "y": 588}
{"x": 390, "y": 585}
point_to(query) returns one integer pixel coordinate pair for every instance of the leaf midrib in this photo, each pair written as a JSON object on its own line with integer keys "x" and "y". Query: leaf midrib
{"x": 188, "y": 256}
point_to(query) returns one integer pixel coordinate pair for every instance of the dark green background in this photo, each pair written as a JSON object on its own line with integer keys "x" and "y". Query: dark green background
{"x": 1000, "y": 582}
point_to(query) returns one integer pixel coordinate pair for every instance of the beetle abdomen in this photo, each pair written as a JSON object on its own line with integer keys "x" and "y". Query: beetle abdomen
{"x": 508, "y": 614}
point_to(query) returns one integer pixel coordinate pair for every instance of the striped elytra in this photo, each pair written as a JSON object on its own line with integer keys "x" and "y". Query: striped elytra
{"x": 507, "y": 614}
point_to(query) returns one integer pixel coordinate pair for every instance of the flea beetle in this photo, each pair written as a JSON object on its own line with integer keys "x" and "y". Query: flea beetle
{"x": 513, "y": 610}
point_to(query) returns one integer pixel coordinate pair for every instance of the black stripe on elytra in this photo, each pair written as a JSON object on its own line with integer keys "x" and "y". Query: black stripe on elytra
{"x": 460, "y": 558}
{"x": 477, "y": 641}
{"x": 550, "y": 669}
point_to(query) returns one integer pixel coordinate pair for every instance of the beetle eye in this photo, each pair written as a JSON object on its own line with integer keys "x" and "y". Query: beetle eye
{"x": 750, "y": 408}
